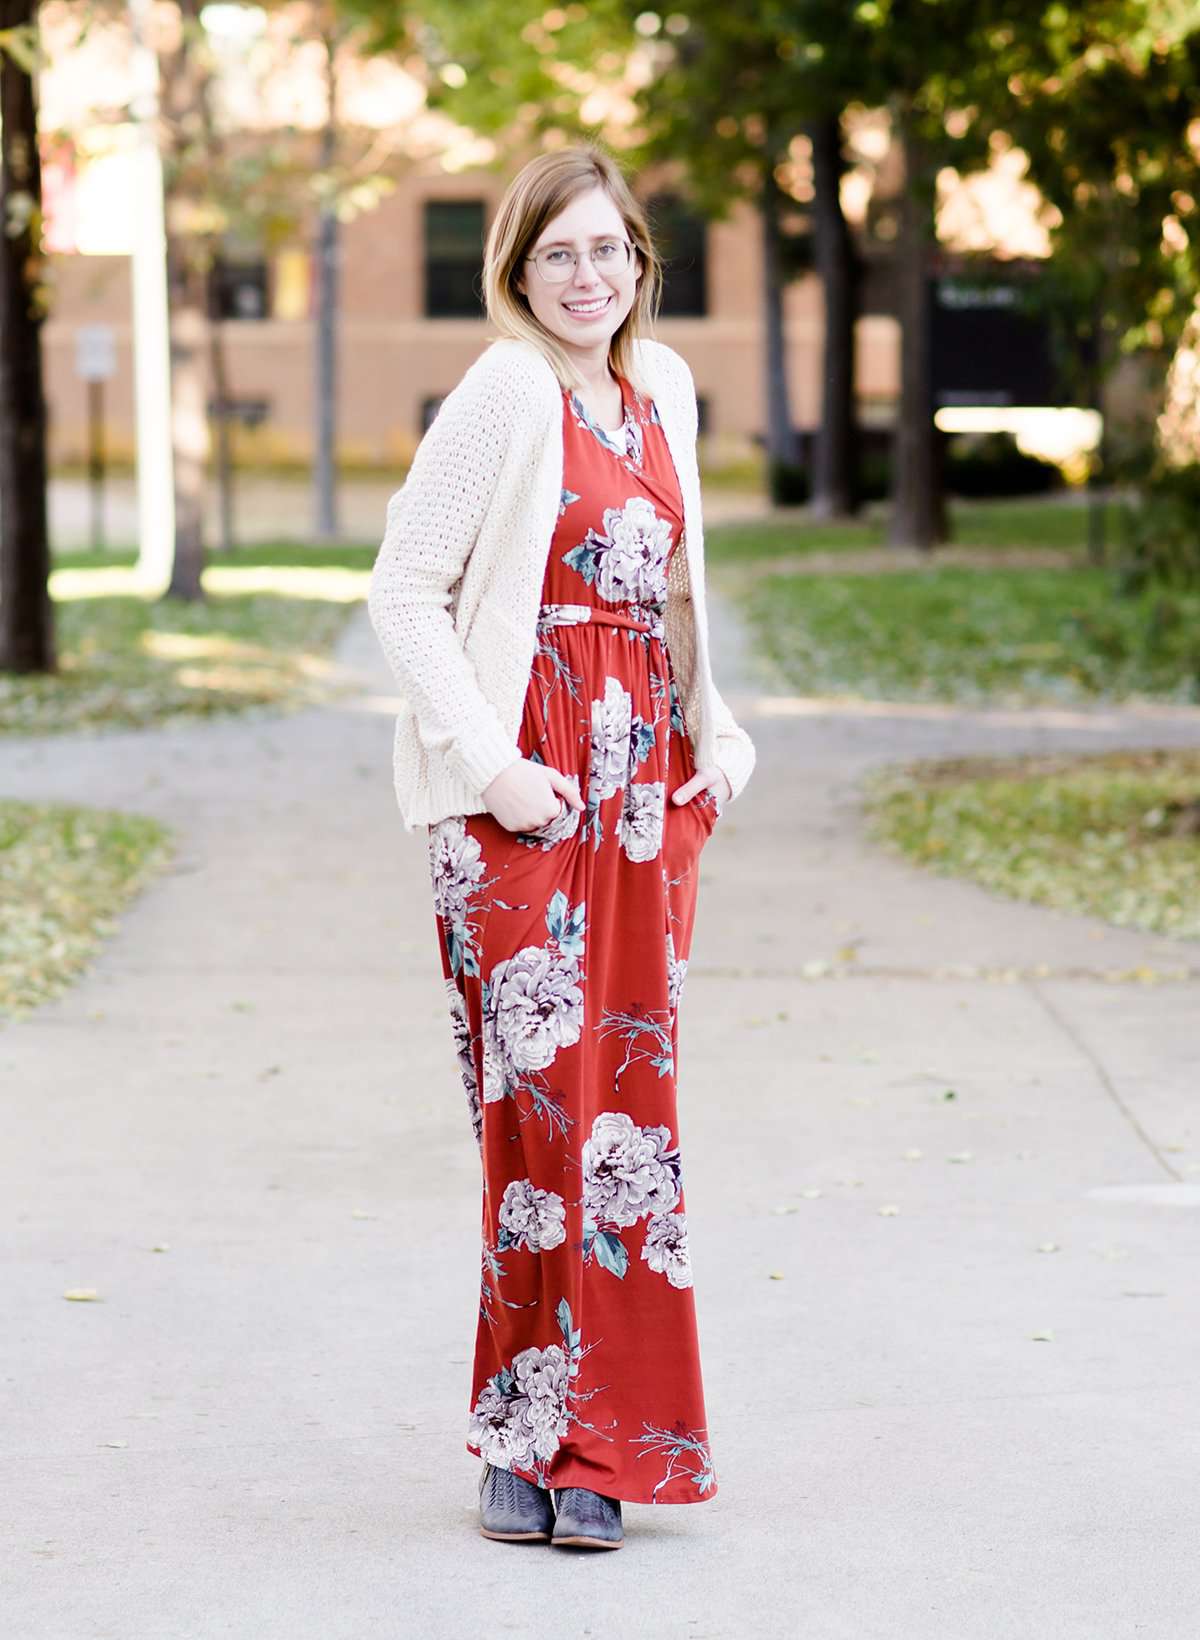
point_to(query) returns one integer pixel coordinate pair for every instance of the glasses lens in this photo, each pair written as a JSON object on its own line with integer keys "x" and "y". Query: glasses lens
{"x": 558, "y": 264}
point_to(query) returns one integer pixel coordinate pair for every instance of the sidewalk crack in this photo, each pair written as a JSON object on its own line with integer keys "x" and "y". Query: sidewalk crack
{"x": 1106, "y": 1082}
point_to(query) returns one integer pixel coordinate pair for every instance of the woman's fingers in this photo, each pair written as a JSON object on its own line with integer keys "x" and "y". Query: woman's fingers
{"x": 708, "y": 776}
{"x": 567, "y": 785}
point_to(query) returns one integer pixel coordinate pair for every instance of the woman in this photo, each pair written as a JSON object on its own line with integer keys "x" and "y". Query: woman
{"x": 539, "y": 594}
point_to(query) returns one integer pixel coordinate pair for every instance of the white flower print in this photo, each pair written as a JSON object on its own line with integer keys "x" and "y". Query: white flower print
{"x": 665, "y": 1248}
{"x": 612, "y": 720}
{"x": 466, "y": 1059}
{"x": 532, "y": 1219}
{"x": 493, "y": 1062}
{"x": 628, "y": 1171}
{"x": 521, "y": 1412}
{"x": 535, "y": 1003}
{"x": 632, "y": 554}
{"x": 627, "y": 561}
{"x": 524, "y": 1410}
{"x": 642, "y": 819}
{"x": 457, "y": 867}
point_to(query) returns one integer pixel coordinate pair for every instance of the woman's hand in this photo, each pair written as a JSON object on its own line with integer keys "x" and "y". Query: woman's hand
{"x": 710, "y": 775}
{"x": 525, "y": 796}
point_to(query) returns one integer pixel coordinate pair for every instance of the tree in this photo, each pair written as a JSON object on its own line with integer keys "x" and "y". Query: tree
{"x": 27, "y": 642}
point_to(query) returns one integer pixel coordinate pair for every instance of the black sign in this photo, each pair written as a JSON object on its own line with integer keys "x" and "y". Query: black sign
{"x": 991, "y": 342}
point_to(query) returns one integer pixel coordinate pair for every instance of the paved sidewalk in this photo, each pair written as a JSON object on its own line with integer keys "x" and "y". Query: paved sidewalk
{"x": 924, "y": 1427}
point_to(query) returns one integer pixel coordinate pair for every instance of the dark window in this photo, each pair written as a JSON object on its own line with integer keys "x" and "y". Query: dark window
{"x": 239, "y": 288}
{"x": 702, "y": 413}
{"x": 453, "y": 258}
{"x": 682, "y": 240}
{"x": 429, "y": 409}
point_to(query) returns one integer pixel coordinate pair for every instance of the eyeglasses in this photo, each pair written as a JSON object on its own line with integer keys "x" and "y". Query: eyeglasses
{"x": 557, "y": 264}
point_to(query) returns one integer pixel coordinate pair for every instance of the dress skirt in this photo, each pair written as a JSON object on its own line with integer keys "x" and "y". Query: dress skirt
{"x": 564, "y": 951}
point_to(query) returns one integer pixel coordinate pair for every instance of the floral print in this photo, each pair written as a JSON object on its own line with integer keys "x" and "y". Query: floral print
{"x": 665, "y": 1248}
{"x": 564, "y": 952}
{"x": 531, "y": 1218}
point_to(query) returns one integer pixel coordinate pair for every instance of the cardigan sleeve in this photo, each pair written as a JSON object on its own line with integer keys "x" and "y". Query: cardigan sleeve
{"x": 432, "y": 524}
{"x": 735, "y": 751}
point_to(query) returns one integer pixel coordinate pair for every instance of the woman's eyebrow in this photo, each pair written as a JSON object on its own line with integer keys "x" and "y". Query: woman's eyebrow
{"x": 553, "y": 244}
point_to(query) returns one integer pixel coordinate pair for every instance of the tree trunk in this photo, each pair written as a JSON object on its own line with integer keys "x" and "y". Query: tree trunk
{"x": 26, "y": 614}
{"x": 326, "y": 258}
{"x": 834, "y": 466}
{"x": 918, "y": 512}
{"x": 780, "y": 439}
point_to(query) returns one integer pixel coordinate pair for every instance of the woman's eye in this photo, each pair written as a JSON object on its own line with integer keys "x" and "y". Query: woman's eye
{"x": 606, "y": 251}
{"x": 557, "y": 257}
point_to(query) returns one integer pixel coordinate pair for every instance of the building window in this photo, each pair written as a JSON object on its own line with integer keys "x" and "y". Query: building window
{"x": 453, "y": 258}
{"x": 239, "y": 288}
{"x": 682, "y": 239}
{"x": 702, "y": 414}
{"x": 429, "y": 409}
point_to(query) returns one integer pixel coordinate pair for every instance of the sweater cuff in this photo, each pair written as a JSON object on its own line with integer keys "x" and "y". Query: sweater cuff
{"x": 489, "y": 752}
{"x": 735, "y": 757}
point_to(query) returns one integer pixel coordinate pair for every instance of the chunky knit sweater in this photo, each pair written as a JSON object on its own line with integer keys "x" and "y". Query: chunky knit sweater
{"x": 456, "y": 586}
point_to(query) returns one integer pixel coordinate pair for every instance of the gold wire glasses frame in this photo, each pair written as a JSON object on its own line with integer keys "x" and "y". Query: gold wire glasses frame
{"x": 557, "y": 263}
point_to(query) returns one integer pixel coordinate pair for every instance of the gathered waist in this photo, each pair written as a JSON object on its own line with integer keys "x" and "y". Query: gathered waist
{"x": 647, "y": 620}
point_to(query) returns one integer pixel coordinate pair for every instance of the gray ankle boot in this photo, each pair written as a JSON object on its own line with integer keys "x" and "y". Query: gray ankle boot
{"x": 513, "y": 1510}
{"x": 586, "y": 1520}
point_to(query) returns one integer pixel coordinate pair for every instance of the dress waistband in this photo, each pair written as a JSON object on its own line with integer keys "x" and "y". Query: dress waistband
{"x": 577, "y": 614}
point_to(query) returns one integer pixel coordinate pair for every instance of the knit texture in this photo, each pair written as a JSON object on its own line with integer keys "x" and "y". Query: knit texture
{"x": 457, "y": 582}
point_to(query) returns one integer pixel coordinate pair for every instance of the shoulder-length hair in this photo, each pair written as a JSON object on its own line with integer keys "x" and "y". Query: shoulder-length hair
{"x": 539, "y": 191}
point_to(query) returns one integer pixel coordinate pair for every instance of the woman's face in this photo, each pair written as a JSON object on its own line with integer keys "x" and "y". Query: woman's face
{"x": 586, "y": 309}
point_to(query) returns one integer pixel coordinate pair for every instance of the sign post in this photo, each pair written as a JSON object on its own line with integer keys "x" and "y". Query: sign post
{"x": 96, "y": 363}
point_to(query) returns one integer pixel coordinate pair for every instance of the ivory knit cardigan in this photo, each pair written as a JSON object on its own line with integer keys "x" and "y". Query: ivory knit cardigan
{"x": 457, "y": 583}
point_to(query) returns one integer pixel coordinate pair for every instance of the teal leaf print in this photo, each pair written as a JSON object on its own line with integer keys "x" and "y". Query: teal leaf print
{"x": 611, "y": 1252}
{"x": 583, "y": 559}
{"x": 566, "y": 924}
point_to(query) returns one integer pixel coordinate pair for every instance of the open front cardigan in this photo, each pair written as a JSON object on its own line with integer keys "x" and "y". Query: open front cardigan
{"x": 457, "y": 583}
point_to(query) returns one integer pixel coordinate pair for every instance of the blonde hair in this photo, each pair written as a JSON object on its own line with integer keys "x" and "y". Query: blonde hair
{"x": 539, "y": 191}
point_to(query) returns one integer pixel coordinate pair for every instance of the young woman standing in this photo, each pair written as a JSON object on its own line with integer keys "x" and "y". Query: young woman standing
{"x": 539, "y": 594}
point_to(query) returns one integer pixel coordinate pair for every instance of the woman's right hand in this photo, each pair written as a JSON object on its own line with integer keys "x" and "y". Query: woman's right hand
{"x": 526, "y": 795}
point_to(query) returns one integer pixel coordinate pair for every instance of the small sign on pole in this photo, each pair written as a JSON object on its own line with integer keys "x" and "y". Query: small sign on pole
{"x": 95, "y": 353}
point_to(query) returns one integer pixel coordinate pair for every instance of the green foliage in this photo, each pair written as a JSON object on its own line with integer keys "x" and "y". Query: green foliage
{"x": 1009, "y": 636}
{"x": 131, "y": 662}
{"x": 1160, "y": 540}
{"x": 1113, "y": 836}
{"x": 990, "y": 526}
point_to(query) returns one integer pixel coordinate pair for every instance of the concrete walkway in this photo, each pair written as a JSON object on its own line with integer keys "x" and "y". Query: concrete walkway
{"x": 950, "y": 1343}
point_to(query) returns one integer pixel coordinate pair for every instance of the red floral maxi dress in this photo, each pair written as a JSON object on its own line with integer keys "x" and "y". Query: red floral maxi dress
{"x": 564, "y": 950}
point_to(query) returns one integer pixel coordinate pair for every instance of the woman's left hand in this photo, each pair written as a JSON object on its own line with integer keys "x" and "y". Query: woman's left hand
{"x": 708, "y": 776}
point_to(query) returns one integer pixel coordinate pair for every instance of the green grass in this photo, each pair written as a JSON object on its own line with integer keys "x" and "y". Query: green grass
{"x": 64, "y": 874}
{"x": 261, "y": 637}
{"x": 1111, "y": 836}
{"x": 998, "y": 525}
{"x": 1014, "y": 637}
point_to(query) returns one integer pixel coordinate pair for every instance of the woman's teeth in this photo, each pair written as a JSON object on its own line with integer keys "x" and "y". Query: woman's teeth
{"x": 586, "y": 308}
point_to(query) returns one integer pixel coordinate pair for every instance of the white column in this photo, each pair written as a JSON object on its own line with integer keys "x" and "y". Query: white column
{"x": 151, "y": 322}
